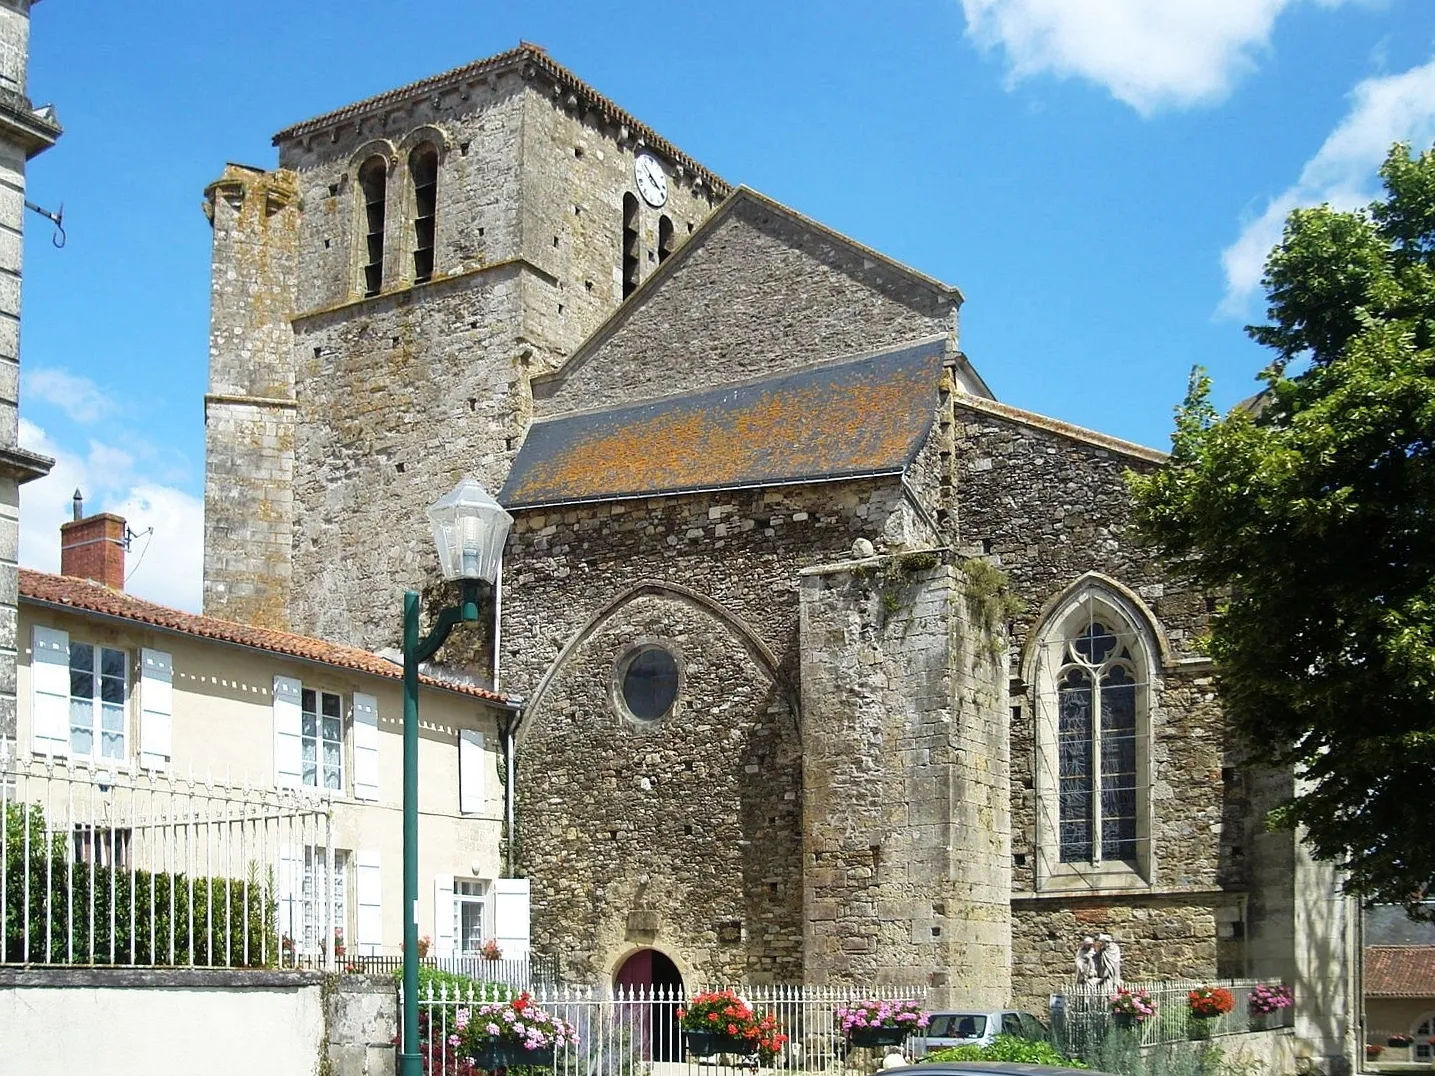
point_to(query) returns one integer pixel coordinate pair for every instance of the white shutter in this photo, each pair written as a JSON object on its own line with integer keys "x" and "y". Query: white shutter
{"x": 471, "y": 761}
{"x": 369, "y": 919}
{"x": 443, "y": 916}
{"x": 366, "y": 747}
{"x": 510, "y": 916}
{"x": 288, "y": 767}
{"x": 290, "y": 886}
{"x": 156, "y": 709}
{"x": 50, "y": 692}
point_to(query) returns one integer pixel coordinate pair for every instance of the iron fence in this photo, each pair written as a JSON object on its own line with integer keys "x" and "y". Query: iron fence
{"x": 1083, "y": 1016}
{"x": 110, "y": 865}
{"x": 631, "y": 1030}
{"x": 528, "y": 973}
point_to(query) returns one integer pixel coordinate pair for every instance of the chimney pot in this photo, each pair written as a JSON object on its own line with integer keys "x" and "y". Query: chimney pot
{"x": 94, "y": 547}
{"x": 77, "y": 505}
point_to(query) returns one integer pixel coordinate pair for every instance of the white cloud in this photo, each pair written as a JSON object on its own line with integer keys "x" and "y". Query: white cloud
{"x": 1344, "y": 172}
{"x": 77, "y": 396}
{"x": 1149, "y": 53}
{"x": 165, "y": 567}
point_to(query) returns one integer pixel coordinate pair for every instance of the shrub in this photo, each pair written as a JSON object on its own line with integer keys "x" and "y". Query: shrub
{"x": 83, "y": 914}
{"x": 438, "y": 983}
{"x": 1007, "y": 1048}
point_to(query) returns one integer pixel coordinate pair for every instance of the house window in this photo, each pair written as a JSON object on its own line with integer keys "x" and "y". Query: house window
{"x": 325, "y": 898}
{"x": 469, "y": 899}
{"x": 1423, "y": 1048}
{"x": 665, "y": 238}
{"x": 1092, "y": 700}
{"x": 97, "y": 702}
{"x": 98, "y": 847}
{"x": 631, "y": 261}
{"x": 373, "y": 190}
{"x": 321, "y": 739}
{"x": 423, "y": 171}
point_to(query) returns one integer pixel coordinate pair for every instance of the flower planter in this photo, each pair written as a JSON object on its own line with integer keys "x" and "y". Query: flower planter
{"x": 707, "y": 1043}
{"x": 1259, "y": 1021}
{"x": 1126, "y": 1021}
{"x": 507, "y": 1055}
{"x": 1200, "y": 1027}
{"x": 876, "y": 1036}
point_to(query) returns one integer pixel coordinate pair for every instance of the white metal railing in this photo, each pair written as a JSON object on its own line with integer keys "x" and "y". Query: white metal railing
{"x": 114, "y": 865}
{"x": 627, "y": 1031}
{"x": 1083, "y": 1014}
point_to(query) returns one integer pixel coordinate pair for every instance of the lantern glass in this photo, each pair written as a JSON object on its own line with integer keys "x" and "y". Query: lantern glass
{"x": 469, "y": 530}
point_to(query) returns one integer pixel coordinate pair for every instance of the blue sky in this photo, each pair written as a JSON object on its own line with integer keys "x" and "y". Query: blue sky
{"x": 1101, "y": 179}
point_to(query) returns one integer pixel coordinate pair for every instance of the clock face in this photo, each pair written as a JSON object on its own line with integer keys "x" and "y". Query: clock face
{"x": 652, "y": 180}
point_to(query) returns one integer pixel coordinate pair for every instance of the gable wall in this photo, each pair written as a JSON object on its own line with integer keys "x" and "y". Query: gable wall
{"x": 1048, "y": 509}
{"x": 755, "y": 295}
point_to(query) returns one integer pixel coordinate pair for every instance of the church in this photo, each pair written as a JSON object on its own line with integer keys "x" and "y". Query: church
{"x": 833, "y": 668}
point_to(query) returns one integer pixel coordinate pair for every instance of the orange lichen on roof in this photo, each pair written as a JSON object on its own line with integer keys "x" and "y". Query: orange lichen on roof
{"x": 864, "y": 417}
{"x": 87, "y": 596}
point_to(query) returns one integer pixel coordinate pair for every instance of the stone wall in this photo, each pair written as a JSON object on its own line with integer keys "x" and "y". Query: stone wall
{"x": 905, "y": 789}
{"x": 1048, "y": 505}
{"x": 717, "y": 576}
{"x": 756, "y": 293}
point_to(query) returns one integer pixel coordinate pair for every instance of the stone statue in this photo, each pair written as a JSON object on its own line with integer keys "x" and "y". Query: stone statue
{"x": 1108, "y": 962}
{"x": 1086, "y": 970}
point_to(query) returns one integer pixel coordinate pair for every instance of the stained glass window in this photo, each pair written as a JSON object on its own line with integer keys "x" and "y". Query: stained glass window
{"x": 1096, "y": 745}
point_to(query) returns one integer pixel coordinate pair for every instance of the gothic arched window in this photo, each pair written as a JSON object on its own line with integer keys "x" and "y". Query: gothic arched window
{"x": 1093, "y": 697}
{"x": 631, "y": 262}
{"x": 373, "y": 190}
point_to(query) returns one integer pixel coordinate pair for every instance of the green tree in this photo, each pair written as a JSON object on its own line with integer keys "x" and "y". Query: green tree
{"x": 1310, "y": 508}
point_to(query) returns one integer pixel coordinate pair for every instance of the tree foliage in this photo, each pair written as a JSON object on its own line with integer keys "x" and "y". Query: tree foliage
{"x": 1310, "y": 510}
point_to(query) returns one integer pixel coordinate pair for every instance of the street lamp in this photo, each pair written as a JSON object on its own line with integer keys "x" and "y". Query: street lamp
{"x": 469, "y": 529}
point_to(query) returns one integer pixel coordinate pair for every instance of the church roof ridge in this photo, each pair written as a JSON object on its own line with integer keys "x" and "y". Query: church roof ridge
{"x": 524, "y": 53}
{"x": 1061, "y": 428}
{"x": 546, "y": 385}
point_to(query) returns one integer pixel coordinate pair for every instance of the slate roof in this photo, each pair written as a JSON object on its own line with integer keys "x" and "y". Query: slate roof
{"x": 1400, "y": 971}
{"x": 525, "y": 53}
{"x": 847, "y": 419}
{"x": 85, "y": 595}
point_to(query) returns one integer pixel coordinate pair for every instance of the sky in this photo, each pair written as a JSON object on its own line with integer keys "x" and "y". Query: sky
{"x": 1103, "y": 181}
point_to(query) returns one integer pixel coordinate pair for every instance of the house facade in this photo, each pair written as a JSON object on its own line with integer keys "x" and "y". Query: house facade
{"x": 117, "y": 691}
{"x": 833, "y": 668}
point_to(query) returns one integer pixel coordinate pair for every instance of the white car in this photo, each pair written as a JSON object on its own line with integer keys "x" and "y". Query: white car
{"x": 970, "y": 1028}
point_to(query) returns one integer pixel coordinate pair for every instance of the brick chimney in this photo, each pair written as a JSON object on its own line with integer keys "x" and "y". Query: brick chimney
{"x": 93, "y": 547}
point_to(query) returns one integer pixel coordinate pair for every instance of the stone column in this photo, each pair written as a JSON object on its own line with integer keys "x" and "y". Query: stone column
{"x": 249, "y": 411}
{"x": 906, "y": 803}
{"x": 24, "y": 132}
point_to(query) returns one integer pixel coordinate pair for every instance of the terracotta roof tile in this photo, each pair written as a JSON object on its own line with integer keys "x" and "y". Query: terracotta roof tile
{"x": 88, "y": 596}
{"x": 1400, "y": 971}
{"x": 848, "y": 419}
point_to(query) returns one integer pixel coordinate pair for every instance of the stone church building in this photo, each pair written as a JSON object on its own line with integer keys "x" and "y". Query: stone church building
{"x": 833, "y": 667}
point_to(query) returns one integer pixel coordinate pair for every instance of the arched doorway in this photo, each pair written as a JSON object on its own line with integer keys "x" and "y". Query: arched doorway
{"x": 648, "y": 985}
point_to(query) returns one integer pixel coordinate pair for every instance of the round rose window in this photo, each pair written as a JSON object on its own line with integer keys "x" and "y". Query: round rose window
{"x": 649, "y": 683}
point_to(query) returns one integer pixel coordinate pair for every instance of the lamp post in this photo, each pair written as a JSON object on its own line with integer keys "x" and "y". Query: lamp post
{"x": 469, "y": 529}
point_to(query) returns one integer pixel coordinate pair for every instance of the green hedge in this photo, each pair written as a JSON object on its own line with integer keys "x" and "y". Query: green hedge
{"x": 1007, "y": 1048}
{"x": 193, "y": 917}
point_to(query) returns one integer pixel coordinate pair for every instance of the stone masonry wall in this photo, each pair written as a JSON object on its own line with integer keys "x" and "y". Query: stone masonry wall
{"x": 394, "y": 407}
{"x": 576, "y": 169}
{"x": 1047, "y": 507}
{"x": 906, "y": 811}
{"x": 249, "y": 409}
{"x": 718, "y": 573}
{"x": 755, "y": 294}
{"x": 683, "y": 833}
